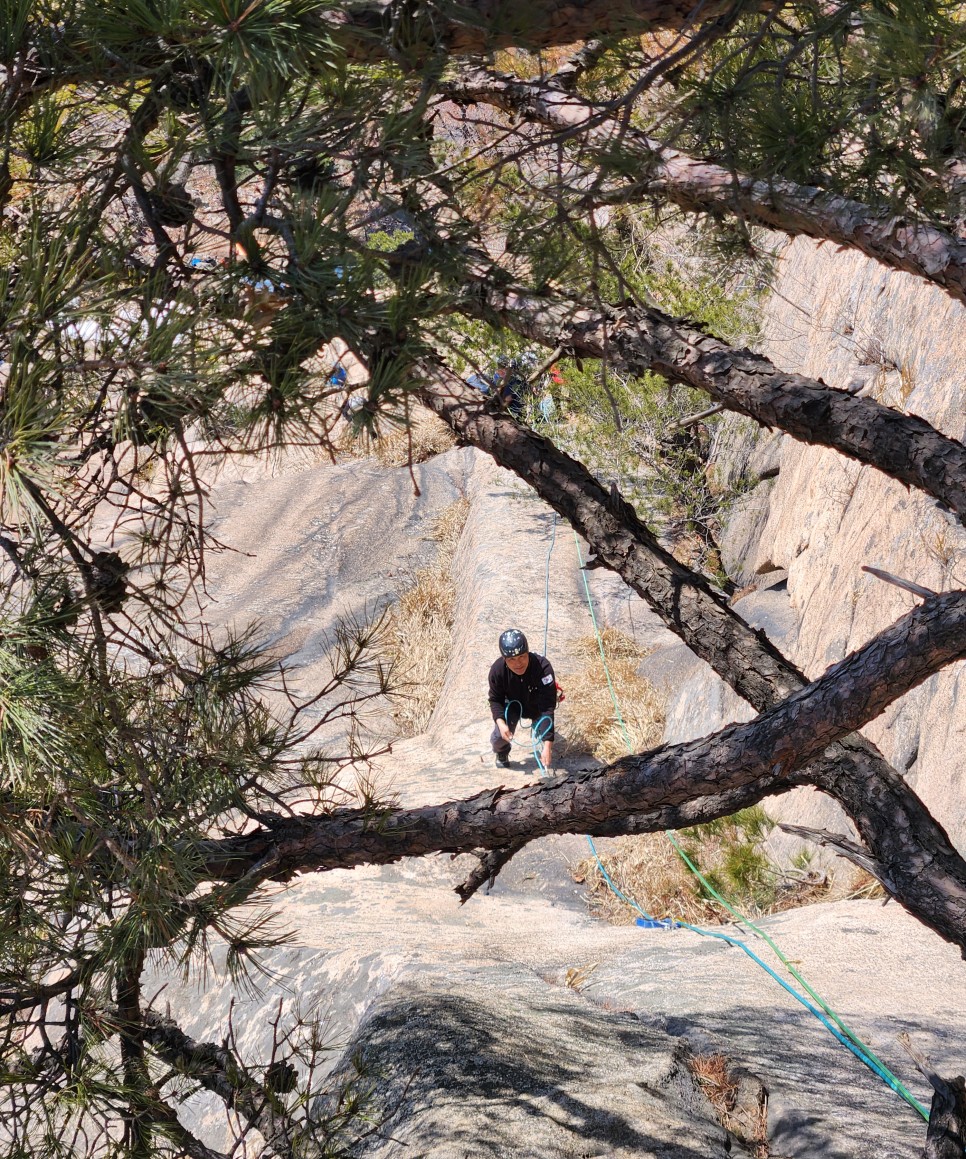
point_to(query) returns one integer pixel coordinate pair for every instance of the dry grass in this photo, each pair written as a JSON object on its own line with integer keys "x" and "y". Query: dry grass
{"x": 426, "y": 437}
{"x": 578, "y": 977}
{"x": 742, "y": 1108}
{"x": 449, "y": 528}
{"x": 588, "y": 717}
{"x": 648, "y": 870}
{"x": 852, "y": 883}
{"x": 420, "y": 626}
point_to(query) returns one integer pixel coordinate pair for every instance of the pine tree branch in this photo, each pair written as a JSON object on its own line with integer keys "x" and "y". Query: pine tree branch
{"x": 700, "y": 186}
{"x": 844, "y": 847}
{"x": 364, "y": 29}
{"x": 218, "y": 1070}
{"x": 27, "y": 995}
{"x": 946, "y": 1133}
{"x": 775, "y": 744}
{"x": 574, "y": 67}
{"x": 637, "y": 339}
{"x": 492, "y": 861}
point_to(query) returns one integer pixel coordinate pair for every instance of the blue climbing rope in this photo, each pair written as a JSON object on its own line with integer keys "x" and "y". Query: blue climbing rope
{"x": 826, "y": 1015}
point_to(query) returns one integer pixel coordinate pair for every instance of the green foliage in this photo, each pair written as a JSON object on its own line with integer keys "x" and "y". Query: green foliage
{"x": 728, "y": 854}
{"x": 384, "y": 241}
{"x": 863, "y": 98}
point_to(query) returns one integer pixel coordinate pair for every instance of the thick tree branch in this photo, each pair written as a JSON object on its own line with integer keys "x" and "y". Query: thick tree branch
{"x": 776, "y": 743}
{"x": 371, "y": 30}
{"x": 699, "y": 186}
{"x": 636, "y": 339}
{"x": 914, "y": 850}
{"x": 697, "y": 811}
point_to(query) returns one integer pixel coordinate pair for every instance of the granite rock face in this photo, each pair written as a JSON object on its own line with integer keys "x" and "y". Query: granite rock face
{"x": 495, "y": 1063}
{"x": 842, "y": 318}
{"x": 517, "y": 1025}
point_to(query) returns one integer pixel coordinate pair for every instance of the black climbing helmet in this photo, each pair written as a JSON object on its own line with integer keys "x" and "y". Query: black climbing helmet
{"x": 513, "y": 643}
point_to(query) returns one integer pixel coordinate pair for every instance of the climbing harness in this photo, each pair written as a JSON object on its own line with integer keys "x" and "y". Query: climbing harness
{"x": 818, "y": 1007}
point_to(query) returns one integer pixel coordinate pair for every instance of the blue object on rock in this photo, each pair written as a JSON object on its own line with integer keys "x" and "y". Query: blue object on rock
{"x": 656, "y": 923}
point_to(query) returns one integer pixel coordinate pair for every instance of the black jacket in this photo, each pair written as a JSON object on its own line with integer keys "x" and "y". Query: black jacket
{"x": 535, "y": 690}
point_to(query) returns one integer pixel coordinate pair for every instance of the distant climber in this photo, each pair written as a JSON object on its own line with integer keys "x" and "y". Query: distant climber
{"x": 507, "y": 383}
{"x": 522, "y": 684}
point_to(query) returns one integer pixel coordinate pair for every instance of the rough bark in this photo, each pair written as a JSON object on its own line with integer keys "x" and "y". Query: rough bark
{"x": 696, "y": 811}
{"x": 700, "y": 186}
{"x": 371, "y": 30}
{"x": 635, "y": 339}
{"x": 946, "y": 1133}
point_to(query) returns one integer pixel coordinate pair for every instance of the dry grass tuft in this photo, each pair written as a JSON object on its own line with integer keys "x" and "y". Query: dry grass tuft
{"x": 729, "y": 853}
{"x": 420, "y": 626}
{"x": 741, "y": 1107}
{"x": 588, "y": 717}
{"x": 648, "y": 870}
{"x": 426, "y": 437}
{"x": 578, "y": 977}
{"x": 852, "y": 883}
{"x": 711, "y": 1071}
{"x": 449, "y": 528}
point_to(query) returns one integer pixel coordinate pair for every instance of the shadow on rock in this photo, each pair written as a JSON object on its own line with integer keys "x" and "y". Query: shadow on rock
{"x": 508, "y": 1067}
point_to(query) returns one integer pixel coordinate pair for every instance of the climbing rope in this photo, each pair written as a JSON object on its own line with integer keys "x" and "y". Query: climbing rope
{"x": 546, "y": 604}
{"x": 818, "y": 1007}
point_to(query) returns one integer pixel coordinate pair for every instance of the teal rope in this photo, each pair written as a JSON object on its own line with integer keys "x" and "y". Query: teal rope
{"x": 546, "y": 615}
{"x": 531, "y": 728}
{"x": 852, "y": 1041}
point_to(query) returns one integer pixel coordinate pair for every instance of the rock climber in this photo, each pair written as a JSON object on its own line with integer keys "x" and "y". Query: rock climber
{"x": 522, "y": 684}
